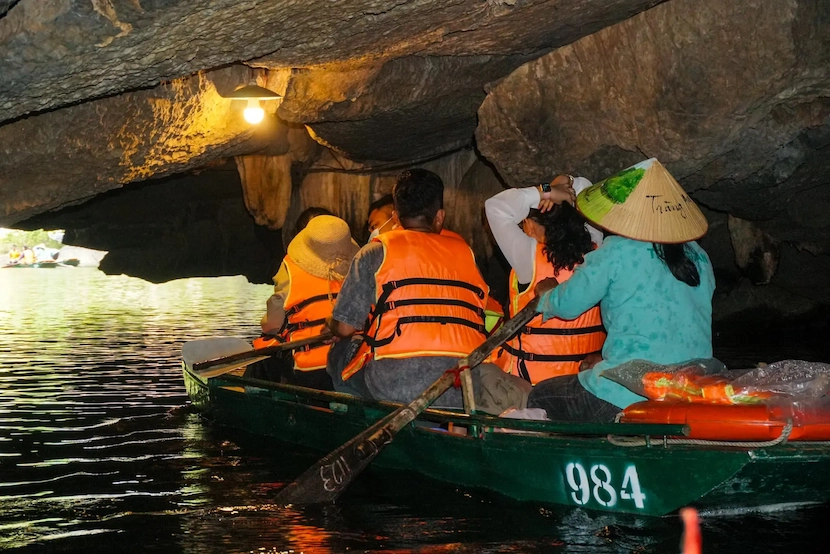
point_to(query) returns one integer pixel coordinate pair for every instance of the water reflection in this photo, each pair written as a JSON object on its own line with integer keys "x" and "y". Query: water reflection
{"x": 99, "y": 452}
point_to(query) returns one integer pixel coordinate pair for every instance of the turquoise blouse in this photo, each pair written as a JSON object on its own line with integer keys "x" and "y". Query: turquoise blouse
{"x": 649, "y": 315}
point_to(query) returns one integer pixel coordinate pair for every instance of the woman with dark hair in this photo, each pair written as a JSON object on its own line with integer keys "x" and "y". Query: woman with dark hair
{"x": 653, "y": 282}
{"x": 552, "y": 242}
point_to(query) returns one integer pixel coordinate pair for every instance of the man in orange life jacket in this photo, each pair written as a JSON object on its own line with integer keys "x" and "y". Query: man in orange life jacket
{"x": 418, "y": 296}
{"x": 305, "y": 288}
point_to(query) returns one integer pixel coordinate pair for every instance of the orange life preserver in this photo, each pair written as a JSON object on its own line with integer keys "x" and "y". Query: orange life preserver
{"x": 309, "y": 302}
{"x": 430, "y": 299}
{"x": 757, "y": 422}
{"x": 557, "y": 346}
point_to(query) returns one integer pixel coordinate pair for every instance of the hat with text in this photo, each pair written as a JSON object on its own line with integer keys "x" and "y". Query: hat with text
{"x": 324, "y": 248}
{"x": 645, "y": 203}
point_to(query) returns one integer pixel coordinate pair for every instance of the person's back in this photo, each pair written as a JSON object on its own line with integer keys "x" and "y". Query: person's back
{"x": 421, "y": 296}
{"x": 555, "y": 346}
{"x": 650, "y": 314}
{"x": 431, "y": 297}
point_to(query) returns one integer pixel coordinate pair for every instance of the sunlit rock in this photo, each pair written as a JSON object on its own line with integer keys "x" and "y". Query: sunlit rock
{"x": 66, "y": 156}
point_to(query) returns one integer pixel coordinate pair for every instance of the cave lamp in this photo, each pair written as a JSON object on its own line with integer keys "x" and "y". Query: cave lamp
{"x": 254, "y": 94}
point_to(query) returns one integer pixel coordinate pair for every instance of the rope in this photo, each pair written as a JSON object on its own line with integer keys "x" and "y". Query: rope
{"x": 633, "y": 442}
{"x": 456, "y": 373}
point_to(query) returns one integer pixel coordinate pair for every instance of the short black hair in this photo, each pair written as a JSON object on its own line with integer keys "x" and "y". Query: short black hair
{"x": 382, "y": 202}
{"x": 418, "y": 193}
{"x": 308, "y": 215}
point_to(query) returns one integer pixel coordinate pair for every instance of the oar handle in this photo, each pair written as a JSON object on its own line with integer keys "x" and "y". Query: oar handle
{"x": 267, "y": 351}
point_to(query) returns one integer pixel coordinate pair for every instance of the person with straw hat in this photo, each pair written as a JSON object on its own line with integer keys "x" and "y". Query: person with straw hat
{"x": 653, "y": 282}
{"x": 305, "y": 289}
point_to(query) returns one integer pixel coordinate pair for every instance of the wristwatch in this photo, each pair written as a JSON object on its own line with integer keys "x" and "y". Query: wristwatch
{"x": 545, "y": 188}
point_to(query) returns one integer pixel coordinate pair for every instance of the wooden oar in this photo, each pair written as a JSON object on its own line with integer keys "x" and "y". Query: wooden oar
{"x": 325, "y": 480}
{"x": 218, "y": 366}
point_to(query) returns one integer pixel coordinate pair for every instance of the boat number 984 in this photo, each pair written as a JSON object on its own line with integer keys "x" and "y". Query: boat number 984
{"x": 598, "y": 482}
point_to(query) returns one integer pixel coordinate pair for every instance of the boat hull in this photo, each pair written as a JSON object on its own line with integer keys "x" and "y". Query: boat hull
{"x": 572, "y": 469}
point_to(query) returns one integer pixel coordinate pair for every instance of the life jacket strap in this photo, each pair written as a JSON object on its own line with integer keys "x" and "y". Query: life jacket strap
{"x": 429, "y": 302}
{"x": 562, "y": 332}
{"x": 391, "y": 286}
{"x": 534, "y": 357}
{"x": 297, "y": 325}
{"x": 308, "y": 301}
{"x": 443, "y": 320}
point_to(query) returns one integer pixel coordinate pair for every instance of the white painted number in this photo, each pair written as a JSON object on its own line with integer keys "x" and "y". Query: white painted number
{"x": 581, "y": 486}
{"x": 603, "y": 483}
{"x": 632, "y": 480}
{"x": 603, "y": 490}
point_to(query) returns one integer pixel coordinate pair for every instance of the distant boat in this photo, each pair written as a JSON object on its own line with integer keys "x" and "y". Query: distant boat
{"x": 70, "y": 262}
{"x": 36, "y": 265}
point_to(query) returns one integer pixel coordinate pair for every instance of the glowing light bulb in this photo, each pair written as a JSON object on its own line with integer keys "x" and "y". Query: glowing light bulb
{"x": 253, "y": 114}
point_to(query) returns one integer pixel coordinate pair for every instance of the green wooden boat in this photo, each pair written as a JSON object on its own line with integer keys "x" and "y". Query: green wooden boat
{"x": 580, "y": 465}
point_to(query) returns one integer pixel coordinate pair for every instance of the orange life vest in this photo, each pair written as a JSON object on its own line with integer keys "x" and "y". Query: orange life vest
{"x": 430, "y": 299}
{"x": 309, "y": 302}
{"x": 553, "y": 348}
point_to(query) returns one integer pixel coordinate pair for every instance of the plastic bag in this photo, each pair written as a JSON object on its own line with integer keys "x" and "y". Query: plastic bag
{"x": 701, "y": 381}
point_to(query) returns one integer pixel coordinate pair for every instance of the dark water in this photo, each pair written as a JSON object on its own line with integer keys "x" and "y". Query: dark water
{"x": 99, "y": 451}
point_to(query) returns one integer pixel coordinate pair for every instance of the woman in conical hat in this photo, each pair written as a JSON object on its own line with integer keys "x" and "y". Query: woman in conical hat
{"x": 653, "y": 282}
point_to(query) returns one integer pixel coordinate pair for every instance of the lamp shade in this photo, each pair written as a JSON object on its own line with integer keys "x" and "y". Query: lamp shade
{"x": 253, "y": 92}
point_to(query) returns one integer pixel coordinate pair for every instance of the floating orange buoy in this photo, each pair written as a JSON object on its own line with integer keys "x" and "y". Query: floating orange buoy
{"x": 692, "y": 541}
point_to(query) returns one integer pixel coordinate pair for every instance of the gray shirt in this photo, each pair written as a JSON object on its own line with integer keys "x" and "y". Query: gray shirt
{"x": 396, "y": 380}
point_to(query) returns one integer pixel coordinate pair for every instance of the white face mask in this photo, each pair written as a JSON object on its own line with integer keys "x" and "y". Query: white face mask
{"x": 376, "y": 232}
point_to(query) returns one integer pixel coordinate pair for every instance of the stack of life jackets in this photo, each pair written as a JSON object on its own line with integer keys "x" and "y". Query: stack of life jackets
{"x": 557, "y": 346}
{"x": 430, "y": 300}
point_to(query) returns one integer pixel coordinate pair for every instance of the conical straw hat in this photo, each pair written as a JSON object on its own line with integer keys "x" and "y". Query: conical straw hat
{"x": 644, "y": 203}
{"x": 324, "y": 248}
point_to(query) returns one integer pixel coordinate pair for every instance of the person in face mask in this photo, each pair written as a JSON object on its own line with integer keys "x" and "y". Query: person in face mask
{"x": 382, "y": 217}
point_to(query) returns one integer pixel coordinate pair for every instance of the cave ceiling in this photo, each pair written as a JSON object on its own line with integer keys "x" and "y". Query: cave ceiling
{"x": 732, "y": 95}
{"x": 96, "y": 94}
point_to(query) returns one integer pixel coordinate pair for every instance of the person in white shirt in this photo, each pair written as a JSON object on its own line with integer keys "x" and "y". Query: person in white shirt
{"x": 542, "y": 235}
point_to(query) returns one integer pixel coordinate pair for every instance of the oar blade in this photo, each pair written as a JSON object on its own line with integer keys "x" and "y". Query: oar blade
{"x": 324, "y": 481}
{"x": 195, "y": 352}
{"x": 221, "y": 369}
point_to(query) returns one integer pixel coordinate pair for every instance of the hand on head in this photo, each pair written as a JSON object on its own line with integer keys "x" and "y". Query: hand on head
{"x": 561, "y": 190}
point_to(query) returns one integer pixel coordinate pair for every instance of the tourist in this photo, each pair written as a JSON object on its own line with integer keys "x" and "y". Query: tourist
{"x": 28, "y": 256}
{"x": 14, "y": 255}
{"x": 305, "y": 288}
{"x": 653, "y": 282}
{"x": 551, "y": 242}
{"x": 381, "y": 216}
{"x": 422, "y": 299}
